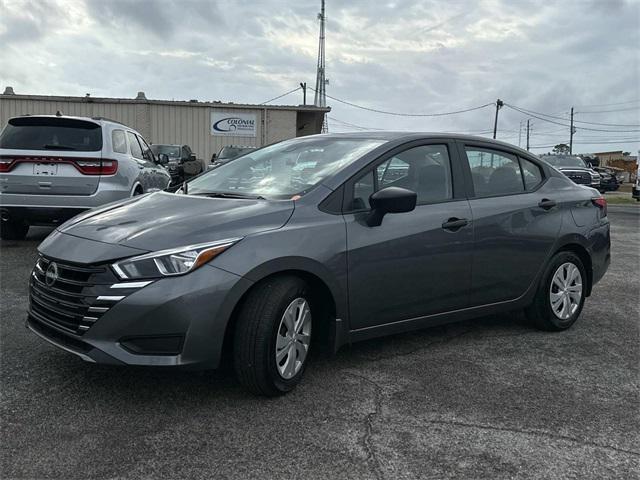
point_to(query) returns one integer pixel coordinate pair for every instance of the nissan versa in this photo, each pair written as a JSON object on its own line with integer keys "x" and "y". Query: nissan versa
{"x": 320, "y": 241}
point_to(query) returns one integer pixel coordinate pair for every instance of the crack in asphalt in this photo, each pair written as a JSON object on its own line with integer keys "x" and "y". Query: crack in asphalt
{"x": 367, "y": 438}
{"x": 554, "y": 436}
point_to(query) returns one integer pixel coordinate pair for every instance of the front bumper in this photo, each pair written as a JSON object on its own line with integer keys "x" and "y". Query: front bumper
{"x": 194, "y": 308}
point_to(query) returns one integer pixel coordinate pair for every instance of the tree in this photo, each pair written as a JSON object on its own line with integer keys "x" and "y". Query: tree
{"x": 561, "y": 149}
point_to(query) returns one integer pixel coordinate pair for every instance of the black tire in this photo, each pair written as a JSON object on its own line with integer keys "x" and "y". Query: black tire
{"x": 540, "y": 311}
{"x": 256, "y": 331}
{"x": 13, "y": 230}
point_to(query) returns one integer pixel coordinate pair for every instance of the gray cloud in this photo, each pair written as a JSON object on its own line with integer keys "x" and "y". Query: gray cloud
{"x": 406, "y": 56}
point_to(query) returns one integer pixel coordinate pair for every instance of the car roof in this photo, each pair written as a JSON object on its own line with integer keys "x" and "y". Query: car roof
{"x": 409, "y": 136}
{"x": 98, "y": 120}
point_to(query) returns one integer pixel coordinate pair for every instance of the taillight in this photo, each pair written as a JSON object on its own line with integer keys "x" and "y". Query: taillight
{"x": 97, "y": 166}
{"x": 6, "y": 163}
{"x": 86, "y": 166}
{"x": 601, "y": 203}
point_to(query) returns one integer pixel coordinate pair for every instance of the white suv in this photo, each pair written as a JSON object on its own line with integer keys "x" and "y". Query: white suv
{"x": 53, "y": 167}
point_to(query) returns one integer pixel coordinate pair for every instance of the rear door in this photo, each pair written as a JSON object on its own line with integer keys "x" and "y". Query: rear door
{"x": 412, "y": 264}
{"x": 50, "y": 156}
{"x": 515, "y": 221}
{"x": 158, "y": 175}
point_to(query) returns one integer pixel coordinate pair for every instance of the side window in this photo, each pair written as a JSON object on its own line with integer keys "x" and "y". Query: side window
{"x": 391, "y": 171}
{"x": 425, "y": 170}
{"x": 363, "y": 188}
{"x": 119, "y": 141}
{"x": 146, "y": 151}
{"x": 136, "y": 151}
{"x": 531, "y": 173}
{"x": 494, "y": 173}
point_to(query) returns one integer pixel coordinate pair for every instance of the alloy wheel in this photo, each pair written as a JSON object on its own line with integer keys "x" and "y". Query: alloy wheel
{"x": 293, "y": 338}
{"x": 565, "y": 292}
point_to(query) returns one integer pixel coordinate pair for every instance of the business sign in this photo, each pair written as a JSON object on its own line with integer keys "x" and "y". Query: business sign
{"x": 226, "y": 124}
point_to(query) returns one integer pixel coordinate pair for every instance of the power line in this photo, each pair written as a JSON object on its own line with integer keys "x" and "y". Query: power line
{"x": 280, "y": 96}
{"x": 611, "y": 104}
{"x": 353, "y": 125}
{"x": 610, "y": 111}
{"x": 399, "y": 114}
{"x": 579, "y": 121}
{"x": 588, "y": 143}
{"x": 524, "y": 112}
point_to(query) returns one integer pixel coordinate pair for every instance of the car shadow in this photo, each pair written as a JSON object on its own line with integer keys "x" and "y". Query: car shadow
{"x": 141, "y": 384}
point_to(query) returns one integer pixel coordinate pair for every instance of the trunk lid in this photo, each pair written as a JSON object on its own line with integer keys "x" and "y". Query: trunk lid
{"x": 50, "y": 156}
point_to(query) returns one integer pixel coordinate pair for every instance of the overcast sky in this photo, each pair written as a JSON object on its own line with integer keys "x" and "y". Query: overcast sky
{"x": 410, "y": 56}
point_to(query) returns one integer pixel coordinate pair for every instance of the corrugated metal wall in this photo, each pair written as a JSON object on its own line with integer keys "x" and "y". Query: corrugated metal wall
{"x": 181, "y": 123}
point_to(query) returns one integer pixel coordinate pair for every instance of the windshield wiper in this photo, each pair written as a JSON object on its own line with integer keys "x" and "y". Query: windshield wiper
{"x": 57, "y": 147}
{"x": 228, "y": 195}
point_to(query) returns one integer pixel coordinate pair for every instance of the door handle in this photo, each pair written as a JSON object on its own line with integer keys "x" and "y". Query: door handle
{"x": 547, "y": 204}
{"x": 454, "y": 224}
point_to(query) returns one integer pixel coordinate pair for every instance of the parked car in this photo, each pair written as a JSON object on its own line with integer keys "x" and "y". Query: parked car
{"x": 608, "y": 179}
{"x": 182, "y": 162}
{"x": 53, "y": 167}
{"x": 576, "y": 168}
{"x": 227, "y": 154}
{"x": 390, "y": 232}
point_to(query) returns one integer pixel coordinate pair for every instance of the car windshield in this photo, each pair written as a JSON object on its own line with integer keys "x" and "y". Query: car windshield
{"x": 168, "y": 150}
{"x": 233, "y": 152}
{"x": 283, "y": 170}
{"x": 564, "y": 161}
{"x": 51, "y": 133}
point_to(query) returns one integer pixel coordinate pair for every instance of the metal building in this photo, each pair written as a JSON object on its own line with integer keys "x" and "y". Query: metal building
{"x": 205, "y": 126}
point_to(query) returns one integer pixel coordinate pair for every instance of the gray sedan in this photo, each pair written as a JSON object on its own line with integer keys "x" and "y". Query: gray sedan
{"x": 320, "y": 241}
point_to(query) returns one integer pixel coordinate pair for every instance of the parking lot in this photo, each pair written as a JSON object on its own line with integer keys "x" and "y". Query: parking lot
{"x": 490, "y": 398}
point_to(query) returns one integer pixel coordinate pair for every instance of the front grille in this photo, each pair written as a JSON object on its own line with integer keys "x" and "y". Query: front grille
{"x": 71, "y": 297}
{"x": 581, "y": 178}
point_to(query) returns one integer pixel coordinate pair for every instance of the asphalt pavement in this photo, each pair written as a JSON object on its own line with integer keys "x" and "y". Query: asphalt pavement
{"x": 490, "y": 398}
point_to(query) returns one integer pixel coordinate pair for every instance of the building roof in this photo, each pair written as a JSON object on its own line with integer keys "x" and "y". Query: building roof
{"x": 141, "y": 99}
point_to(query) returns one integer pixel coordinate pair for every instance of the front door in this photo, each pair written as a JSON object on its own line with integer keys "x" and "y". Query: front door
{"x": 416, "y": 263}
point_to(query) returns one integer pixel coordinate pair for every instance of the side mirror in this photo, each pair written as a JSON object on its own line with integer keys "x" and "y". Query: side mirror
{"x": 390, "y": 200}
{"x": 192, "y": 157}
{"x": 213, "y": 158}
{"x": 163, "y": 159}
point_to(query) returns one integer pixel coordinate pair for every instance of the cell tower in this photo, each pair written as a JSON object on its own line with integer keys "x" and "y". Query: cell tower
{"x": 321, "y": 82}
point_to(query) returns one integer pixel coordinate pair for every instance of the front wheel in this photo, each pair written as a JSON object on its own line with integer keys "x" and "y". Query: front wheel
{"x": 561, "y": 293}
{"x": 273, "y": 336}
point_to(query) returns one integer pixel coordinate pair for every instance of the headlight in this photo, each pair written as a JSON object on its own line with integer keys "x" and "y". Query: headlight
{"x": 167, "y": 263}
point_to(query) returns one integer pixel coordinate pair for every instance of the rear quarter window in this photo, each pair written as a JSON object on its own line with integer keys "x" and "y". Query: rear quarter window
{"x": 51, "y": 133}
{"x": 119, "y": 141}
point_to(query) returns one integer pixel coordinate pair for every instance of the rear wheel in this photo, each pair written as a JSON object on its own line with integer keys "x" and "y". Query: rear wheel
{"x": 561, "y": 293}
{"x": 13, "y": 229}
{"x": 273, "y": 336}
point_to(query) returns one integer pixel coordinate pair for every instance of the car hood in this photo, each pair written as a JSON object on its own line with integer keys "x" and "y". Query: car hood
{"x": 163, "y": 220}
{"x": 574, "y": 169}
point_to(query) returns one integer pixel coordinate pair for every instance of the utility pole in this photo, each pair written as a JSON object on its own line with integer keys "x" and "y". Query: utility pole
{"x": 303, "y": 86}
{"x": 527, "y": 134}
{"x": 321, "y": 82}
{"x": 499, "y": 104}
{"x": 520, "y": 134}
{"x": 573, "y": 130}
